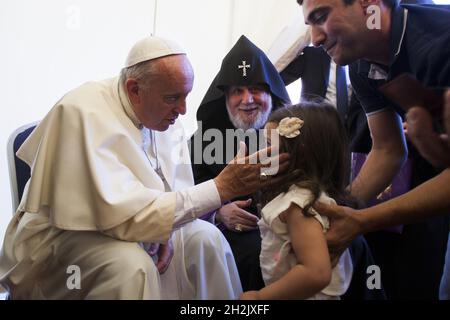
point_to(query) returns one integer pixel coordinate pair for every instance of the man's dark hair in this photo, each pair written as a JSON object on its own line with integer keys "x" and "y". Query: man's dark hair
{"x": 389, "y": 3}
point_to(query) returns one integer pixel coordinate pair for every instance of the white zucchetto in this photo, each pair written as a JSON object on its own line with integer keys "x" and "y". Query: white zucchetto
{"x": 151, "y": 48}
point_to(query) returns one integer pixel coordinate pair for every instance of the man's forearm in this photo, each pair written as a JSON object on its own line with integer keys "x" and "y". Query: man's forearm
{"x": 376, "y": 174}
{"x": 430, "y": 199}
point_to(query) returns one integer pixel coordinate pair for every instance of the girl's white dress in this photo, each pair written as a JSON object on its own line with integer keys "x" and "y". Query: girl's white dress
{"x": 277, "y": 256}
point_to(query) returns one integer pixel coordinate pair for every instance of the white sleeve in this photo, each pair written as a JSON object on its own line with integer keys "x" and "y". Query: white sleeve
{"x": 195, "y": 201}
{"x": 155, "y": 222}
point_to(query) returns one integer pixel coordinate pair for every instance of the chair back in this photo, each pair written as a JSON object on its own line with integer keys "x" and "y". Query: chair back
{"x": 19, "y": 171}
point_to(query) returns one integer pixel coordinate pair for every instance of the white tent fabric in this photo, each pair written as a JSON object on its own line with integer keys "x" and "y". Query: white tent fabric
{"x": 262, "y": 21}
{"x": 289, "y": 44}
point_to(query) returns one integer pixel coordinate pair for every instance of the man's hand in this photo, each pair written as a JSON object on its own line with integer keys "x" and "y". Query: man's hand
{"x": 165, "y": 254}
{"x": 344, "y": 227}
{"x": 431, "y": 145}
{"x": 242, "y": 175}
{"x": 233, "y": 214}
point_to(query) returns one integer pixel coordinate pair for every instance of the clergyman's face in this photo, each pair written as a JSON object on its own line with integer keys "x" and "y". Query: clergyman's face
{"x": 163, "y": 98}
{"x": 341, "y": 29}
{"x": 248, "y": 106}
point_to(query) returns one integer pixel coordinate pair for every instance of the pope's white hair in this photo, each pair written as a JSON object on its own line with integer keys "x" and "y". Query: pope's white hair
{"x": 143, "y": 72}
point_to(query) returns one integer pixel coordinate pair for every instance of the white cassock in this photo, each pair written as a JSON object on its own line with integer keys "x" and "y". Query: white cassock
{"x": 94, "y": 200}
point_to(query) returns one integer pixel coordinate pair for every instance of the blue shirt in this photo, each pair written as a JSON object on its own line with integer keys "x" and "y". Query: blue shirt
{"x": 419, "y": 44}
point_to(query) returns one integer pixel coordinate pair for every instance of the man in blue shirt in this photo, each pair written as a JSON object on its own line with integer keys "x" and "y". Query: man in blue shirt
{"x": 383, "y": 40}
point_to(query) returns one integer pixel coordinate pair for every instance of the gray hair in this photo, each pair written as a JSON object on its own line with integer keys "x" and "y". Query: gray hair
{"x": 143, "y": 72}
{"x": 259, "y": 122}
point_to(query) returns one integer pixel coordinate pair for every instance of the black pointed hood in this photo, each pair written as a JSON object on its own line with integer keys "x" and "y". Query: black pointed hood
{"x": 244, "y": 65}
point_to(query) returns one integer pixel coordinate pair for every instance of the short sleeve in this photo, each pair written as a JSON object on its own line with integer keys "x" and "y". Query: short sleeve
{"x": 301, "y": 197}
{"x": 366, "y": 90}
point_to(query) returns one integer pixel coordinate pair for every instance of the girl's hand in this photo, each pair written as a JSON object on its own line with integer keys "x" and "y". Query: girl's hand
{"x": 250, "y": 295}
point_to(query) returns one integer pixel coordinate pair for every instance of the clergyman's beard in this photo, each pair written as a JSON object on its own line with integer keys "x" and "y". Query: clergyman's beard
{"x": 260, "y": 121}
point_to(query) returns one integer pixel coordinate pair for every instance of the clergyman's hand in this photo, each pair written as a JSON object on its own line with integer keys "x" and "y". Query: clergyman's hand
{"x": 233, "y": 215}
{"x": 344, "y": 227}
{"x": 242, "y": 175}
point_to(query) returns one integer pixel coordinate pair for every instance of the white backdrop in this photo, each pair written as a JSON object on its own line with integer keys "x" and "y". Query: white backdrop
{"x": 51, "y": 46}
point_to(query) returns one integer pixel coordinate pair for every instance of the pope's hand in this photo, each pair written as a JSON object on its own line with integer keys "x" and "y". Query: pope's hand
{"x": 242, "y": 176}
{"x": 165, "y": 254}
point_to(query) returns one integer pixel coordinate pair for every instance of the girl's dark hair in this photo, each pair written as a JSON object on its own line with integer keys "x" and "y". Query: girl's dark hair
{"x": 319, "y": 155}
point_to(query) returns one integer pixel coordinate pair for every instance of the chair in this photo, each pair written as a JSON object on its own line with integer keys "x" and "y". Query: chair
{"x": 19, "y": 171}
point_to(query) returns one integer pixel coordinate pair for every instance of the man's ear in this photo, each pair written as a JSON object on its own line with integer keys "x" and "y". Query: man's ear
{"x": 366, "y": 3}
{"x": 132, "y": 89}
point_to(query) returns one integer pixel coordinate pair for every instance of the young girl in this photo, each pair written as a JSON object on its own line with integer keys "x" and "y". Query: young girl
{"x": 294, "y": 257}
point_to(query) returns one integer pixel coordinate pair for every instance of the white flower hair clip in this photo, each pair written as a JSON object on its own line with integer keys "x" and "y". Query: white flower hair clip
{"x": 289, "y": 127}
